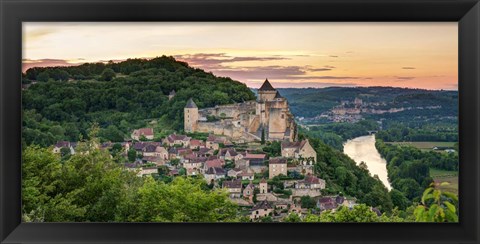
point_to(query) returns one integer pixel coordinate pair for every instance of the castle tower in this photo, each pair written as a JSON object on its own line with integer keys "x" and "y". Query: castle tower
{"x": 266, "y": 92}
{"x": 190, "y": 114}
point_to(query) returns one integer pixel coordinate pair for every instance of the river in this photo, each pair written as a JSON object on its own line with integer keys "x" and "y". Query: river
{"x": 363, "y": 149}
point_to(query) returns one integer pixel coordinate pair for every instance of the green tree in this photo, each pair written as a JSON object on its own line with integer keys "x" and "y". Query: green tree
{"x": 43, "y": 77}
{"x": 132, "y": 155}
{"x": 398, "y": 199}
{"x": 292, "y": 218}
{"x": 308, "y": 202}
{"x": 107, "y": 74}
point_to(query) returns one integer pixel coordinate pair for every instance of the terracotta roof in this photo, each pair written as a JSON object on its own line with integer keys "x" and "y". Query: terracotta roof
{"x": 143, "y": 131}
{"x": 213, "y": 163}
{"x": 62, "y": 144}
{"x": 152, "y": 159}
{"x": 255, "y": 156}
{"x": 297, "y": 144}
{"x": 262, "y": 205}
{"x": 278, "y": 161}
{"x": 263, "y": 181}
{"x": 215, "y": 171}
{"x": 232, "y": 184}
{"x": 150, "y": 148}
{"x": 191, "y": 104}
{"x": 204, "y": 150}
{"x": 196, "y": 142}
{"x": 266, "y": 86}
{"x": 139, "y": 145}
{"x": 224, "y": 151}
{"x": 174, "y": 137}
{"x": 310, "y": 179}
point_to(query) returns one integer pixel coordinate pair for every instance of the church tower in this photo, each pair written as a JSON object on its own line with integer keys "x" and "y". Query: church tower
{"x": 190, "y": 114}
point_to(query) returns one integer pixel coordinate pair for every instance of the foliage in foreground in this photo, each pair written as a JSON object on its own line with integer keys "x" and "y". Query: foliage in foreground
{"x": 91, "y": 187}
{"x": 437, "y": 206}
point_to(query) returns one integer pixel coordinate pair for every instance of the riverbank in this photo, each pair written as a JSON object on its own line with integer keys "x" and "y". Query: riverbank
{"x": 362, "y": 149}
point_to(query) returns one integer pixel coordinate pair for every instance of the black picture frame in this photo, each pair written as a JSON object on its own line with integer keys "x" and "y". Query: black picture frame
{"x": 14, "y": 12}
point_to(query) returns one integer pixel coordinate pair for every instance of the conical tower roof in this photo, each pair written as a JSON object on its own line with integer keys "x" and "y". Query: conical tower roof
{"x": 266, "y": 86}
{"x": 277, "y": 95}
{"x": 191, "y": 104}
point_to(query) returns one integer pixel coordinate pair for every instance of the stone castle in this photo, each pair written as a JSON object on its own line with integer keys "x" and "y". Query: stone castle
{"x": 269, "y": 116}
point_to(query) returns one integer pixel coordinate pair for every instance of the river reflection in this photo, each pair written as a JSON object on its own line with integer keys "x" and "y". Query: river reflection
{"x": 363, "y": 149}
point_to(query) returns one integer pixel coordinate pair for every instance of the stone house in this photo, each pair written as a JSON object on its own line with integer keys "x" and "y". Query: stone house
{"x": 204, "y": 152}
{"x": 260, "y": 210}
{"x": 213, "y": 142}
{"x": 241, "y": 163}
{"x": 146, "y": 132}
{"x": 153, "y": 159}
{"x": 234, "y": 188}
{"x": 175, "y": 139}
{"x": 195, "y": 166}
{"x": 218, "y": 163}
{"x": 64, "y": 144}
{"x": 147, "y": 171}
{"x": 229, "y": 154}
{"x": 329, "y": 203}
{"x": 149, "y": 150}
{"x": 235, "y": 172}
{"x": 277, "y": 166}
{"x": 246, "y": 175}
{"x": 311, "y": 182}
{"x": 196, "y": 144}
{"x": 301, "y": 150}
{"x": 248, "y": 191}
{"x": 161, "y": 152}
{"x": 214, "y": 173}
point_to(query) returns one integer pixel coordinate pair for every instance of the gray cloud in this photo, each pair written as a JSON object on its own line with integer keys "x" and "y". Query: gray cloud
{"x": 215, "y": 60}
{"x": 404, "y": 77}
{"x": 408, "y": 67}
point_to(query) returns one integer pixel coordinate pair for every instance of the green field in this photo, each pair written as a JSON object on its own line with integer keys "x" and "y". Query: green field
{"x": 424, "y": 145}
{"x": 439, "y": 173}
{"x": 451, "y": 177}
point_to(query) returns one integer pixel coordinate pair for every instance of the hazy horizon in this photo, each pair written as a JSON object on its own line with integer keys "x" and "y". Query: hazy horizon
{"x": 290, "y": 55}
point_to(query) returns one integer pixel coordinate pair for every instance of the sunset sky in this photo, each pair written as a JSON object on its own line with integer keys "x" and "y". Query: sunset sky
{"x": 416, "y": 55}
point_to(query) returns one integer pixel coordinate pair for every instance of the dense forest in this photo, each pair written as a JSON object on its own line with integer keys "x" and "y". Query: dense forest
{"x": 64, "y": 101}
{"x": 426, "y": 132}
{"x": 408, "y": 167}
{"x": 335, "y": 134}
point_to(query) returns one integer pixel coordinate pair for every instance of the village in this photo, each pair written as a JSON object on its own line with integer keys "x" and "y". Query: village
{"x": 234, "y": 158}
{"x": 266, "y": 187}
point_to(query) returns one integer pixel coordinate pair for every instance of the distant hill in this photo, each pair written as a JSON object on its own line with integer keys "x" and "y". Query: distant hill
{"x": 310, "y": 102}
{"x": 60, "y": 103}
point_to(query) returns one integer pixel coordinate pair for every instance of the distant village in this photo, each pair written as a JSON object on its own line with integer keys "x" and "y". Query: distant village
{"x": 352, "y": 111}
{"x": 230, "y": 158}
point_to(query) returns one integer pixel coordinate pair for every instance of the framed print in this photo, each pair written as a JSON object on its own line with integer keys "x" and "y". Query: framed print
{"x": 240, "y": 121}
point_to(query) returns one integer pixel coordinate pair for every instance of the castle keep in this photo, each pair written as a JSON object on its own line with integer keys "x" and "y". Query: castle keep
{"x": 243, "y": 122}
